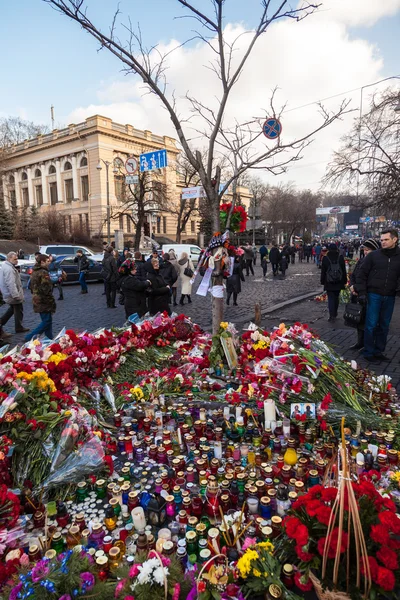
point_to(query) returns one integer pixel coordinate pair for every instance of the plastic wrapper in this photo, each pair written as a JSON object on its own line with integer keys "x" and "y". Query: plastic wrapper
{"x": 8, "y": 402}
{"x": 60, "y": 334}
{"x": 4, "y": 349}
{"x": 75, "y": 430}
{"x": 78, "y": 465}
{"x": 109, "y": 396}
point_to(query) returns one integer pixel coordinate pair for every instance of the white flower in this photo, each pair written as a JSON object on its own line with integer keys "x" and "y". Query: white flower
{"x": 159, "y": 575}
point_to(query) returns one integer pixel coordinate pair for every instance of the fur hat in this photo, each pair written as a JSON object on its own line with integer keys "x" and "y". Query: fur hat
{"x": 371, "y": 244}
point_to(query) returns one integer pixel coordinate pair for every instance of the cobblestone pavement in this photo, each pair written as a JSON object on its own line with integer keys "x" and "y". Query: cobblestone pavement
{"x": 89, "y": 311}
{"x": 340, "y": 336}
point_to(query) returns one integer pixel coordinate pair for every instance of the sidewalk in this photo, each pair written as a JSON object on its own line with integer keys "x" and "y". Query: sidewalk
{"x": 338, "y": 335}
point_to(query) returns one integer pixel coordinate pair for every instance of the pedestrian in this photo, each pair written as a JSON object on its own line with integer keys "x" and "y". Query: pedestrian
{"x": 248, "y": 258}
{"x": 377, "y": 283}
{"x": 134, "y": 291}
{"x": 300, "y": 253}
{"x": 110, "y": 275}
{"x": 318, "y": 250}
{"x": 369, "y": 245}
{"x": 274, "y": 258}
{"x": 324, "y": 252}
{"x": 21, "y": 254}
{"x": 313, "y": 253}
{"x": 350, "y": 251}
{"x": 173, "y": 260}
{"x": 83, "y": 267}
{"x": 255, "y": 255}
{"x": 292, "y": 253}
{"x": 263, "y": 251}
{"x": 159, "y": 291}
{"x": 283, "y": 264}
{"x": 362, "y": 251}
{"x": 333, "y": 278}
{"x": 42, "y": 299}
{"x": 154, "y": 254}
{"x": 56, "y": 276}
{"x": 141, "y": 272}
{"x": 185, "y": 266}
{"x": 233, "y": 283}
{"x": 13, "y": 294}
{"x": 308, "y": 252}
{"x": 170, "y": 274}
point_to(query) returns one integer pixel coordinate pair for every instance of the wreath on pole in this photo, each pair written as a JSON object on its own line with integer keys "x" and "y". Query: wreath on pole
{"x": 238, "y": 218}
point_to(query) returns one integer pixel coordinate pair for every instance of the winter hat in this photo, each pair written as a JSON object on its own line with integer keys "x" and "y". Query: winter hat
{"x": 332, "y": 248}
{"x": 371, "y": 244}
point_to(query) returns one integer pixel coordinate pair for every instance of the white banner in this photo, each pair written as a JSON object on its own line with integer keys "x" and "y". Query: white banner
{"x": 193, "y": 192}
{"x": 205, "y": 284}
{"x": 332, "y": 210}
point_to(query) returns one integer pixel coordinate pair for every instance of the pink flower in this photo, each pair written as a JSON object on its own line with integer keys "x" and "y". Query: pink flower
{"x": 134, "y": 571}
{"x": 129, "y": 598}
{"x": 177, "y": 591}
{"x": 119, "y": 588}
{"x": 39, "y": 571}
{"x": 24, "y": 560}
{"x": 15, "y": 591}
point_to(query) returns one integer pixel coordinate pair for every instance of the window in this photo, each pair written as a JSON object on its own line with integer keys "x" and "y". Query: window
{"x": 69, "y": 190}
{"x": 83, "y": 162}
{"x": 194, "y": 250}
{"x": 121, "y": 222}
{"x": 25, "y": 197}
{"x": 119, "y": 187}
{"x": 80, "y": 222}
{"x": 52, "y": 170}
{"x": 38, "y": 173}
{"x": 193, "y": 226}
{"x": 13, "y": 200}
{"x": 128, "y": 224}
{"x": 53, "y": 194}
{"x": 67, "y": 166}
{"x": 39, "y": 195}
{"x": 85, "y": 188}
{"x": 24, "y": 176}
{"x": 164, "y": 222}
{"x": 158, "y": 224}
{"x": 11, "y": 180}
{"x": 58, "y": 250}
{"x": 68, "y": 262}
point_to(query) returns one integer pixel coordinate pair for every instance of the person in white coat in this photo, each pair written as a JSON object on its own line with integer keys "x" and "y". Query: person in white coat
{"x": 13, "y": 294}
{"x": 185, "y": 263}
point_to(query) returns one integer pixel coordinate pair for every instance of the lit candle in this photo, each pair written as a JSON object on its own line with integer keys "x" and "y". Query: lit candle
{"x": 202, "y": 414}
{"x": 227, "y": 413}
{"x": 238, "y": 412}
{"x": 179, "y": 436}
{"x": 269, "y": 410}
{"x": 138, "y": 518}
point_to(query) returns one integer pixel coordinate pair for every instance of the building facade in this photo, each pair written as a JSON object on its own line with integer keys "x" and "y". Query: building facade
{"x": 60, "y": 171}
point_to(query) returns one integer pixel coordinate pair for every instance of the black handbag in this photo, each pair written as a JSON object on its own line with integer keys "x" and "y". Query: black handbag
{"x": 354, "y": 314}
{"x": 188, "y": 271}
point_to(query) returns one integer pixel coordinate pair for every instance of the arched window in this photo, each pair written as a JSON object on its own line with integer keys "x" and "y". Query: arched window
{"x": 83, "y": 162}
{"x": 38, "y": 173}
{"x": 24, "y": 176}
{"x": 11, "y": 180}
{"x": 67, "y": 166}
{"x": 52, "y": 170}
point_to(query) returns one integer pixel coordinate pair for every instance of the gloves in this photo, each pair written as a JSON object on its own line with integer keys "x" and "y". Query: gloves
{"x": 362, "y": 299}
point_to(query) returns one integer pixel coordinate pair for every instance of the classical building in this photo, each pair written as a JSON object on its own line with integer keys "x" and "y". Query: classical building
{"x": 60, "y": 171}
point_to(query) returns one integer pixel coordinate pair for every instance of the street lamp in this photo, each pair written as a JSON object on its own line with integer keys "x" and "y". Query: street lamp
{"x": 397, "y": 109}
{"x": 99, "y": 168}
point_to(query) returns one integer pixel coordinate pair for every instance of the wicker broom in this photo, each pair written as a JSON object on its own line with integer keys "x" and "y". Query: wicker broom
{"x": 354, "y": 527}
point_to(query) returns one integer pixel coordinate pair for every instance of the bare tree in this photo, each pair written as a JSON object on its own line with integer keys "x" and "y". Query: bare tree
{"x": 14, "y": 130}
{"x": 369, "y": 159}
{"x": 190, "y": 116}
{"x": 141, "y": 201}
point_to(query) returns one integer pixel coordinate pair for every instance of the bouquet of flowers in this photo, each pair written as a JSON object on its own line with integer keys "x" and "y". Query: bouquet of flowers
{"x": 217, "y": 582}
{"x": 154, "y": 576}
{"x": 259, "y": 570}
{"x": 306, "y": 538}
{"x": 238, "y": 218}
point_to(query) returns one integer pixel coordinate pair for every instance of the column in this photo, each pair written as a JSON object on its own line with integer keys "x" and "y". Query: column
{"x": 17, "y": 190}
{"x": 30, "y": 187}
{"x": 75, "y": 179}
{"x": 60, "y": 194}
{"x": 45, "y": 190}
{"x": 5, "y": 192}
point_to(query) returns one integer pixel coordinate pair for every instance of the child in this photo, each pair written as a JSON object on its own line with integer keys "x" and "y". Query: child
{"x": 283, "y": 265}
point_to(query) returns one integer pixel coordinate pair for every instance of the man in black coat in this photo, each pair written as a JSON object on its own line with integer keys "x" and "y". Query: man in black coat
{"x": 274, "y": 258}
{"x": 110, "y": 274}
{"x": 377, "y": 283}
{"x": 333, "y": 278}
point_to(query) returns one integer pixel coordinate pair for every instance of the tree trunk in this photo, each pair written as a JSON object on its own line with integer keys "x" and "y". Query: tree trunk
{"x": 178, "y": 233}
{"x": 138, "y": 232}
{"x": 217, "y": 303}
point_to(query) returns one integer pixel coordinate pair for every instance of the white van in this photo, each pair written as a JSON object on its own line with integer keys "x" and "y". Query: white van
{"x": 61, "y": 249}
{"x": 192, "y": 251}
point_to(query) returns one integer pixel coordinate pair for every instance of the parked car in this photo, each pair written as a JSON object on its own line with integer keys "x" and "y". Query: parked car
{"x": 192, "y": 250}
{"x": 21, "y": 262}
{"x": 64, "y": 249}
{"x": 67, "y": 264}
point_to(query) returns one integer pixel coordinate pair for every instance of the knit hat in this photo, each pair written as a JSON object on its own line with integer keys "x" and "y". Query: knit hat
{"x": 371, "y": 244}
{"x": 332, "y": 248}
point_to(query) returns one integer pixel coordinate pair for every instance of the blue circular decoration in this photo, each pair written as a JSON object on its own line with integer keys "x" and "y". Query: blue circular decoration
{"x": 272, "y": 128}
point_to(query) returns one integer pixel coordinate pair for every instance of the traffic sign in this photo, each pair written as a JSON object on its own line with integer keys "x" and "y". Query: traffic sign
{"x": 272, "y": 128}
{"x": 131, "y": 165}
{"x": 131, "y": 179}
{"x": 156, "y": 159}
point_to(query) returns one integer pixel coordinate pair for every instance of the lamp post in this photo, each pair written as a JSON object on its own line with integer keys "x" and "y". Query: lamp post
{"x": 107, "y": 164}
{"x": 397, "y": 109}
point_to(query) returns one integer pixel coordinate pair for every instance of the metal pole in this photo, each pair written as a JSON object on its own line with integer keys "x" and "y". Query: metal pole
{"x": 254, "y": 221}
{"x": 108, "y": 204}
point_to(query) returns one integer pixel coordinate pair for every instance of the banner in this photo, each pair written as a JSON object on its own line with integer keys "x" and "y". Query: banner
{"x": 332, "y": 210}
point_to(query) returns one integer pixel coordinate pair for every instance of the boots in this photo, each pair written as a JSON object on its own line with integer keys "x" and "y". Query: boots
{"x": 189, "y": 299}
{"x": 181, "y": 301}
{"x": 228, "y": 299}
{"x": 360, "y": 340}
{"x": 234, "y": 299}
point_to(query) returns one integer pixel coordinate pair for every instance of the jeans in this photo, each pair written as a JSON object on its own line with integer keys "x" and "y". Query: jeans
{"x": 249, "y": 265}
{"x": 318, "y": 257}
{"x": 379, "y": 314}
{"x": 333, "y": 303}
{"x": 46, "y": 327}
{"x": 82, "y": 281}
{"x": 275, "y": 268}
{"x": 18, "y": 311}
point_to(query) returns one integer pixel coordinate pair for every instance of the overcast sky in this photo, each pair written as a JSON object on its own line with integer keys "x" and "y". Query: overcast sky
{"x": 46, "y": 59}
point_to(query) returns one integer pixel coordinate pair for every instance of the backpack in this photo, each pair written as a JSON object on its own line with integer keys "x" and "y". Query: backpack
{"x": 334, "y": 272}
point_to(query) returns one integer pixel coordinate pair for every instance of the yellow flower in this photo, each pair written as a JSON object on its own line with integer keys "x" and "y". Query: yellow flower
{"x": 260, "y": 345}
{"x": 395, "y": 476}
{"x": 223, "y": 324}
{"x": 244, "y": 563}
{"x": 256, "y": 573}
{"x": 266, "y": 546}
{"x": 57, "y": 357}
{"x": 137, "y": 392}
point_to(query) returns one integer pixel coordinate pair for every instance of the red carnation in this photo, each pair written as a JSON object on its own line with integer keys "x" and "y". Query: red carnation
{"x": 303, "y": 582}
{"x": 373, "y": 567}
{"x": 385, "y": 579}
{"x": 388, "y": 558}
{"x": 304, "y": 556}
{"x": 379, "y": 534}
{"x": 329, "y": 494}
{"x": 323, "y": 515}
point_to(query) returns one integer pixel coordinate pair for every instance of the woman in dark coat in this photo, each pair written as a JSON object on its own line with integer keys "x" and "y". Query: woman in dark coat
{"x": 333, "y": 278}
{"x": 159, "y": 292}
{"x": 134, "y": 291}
{"x": 233, "y": 283}
{"x": 368, "y": 246}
